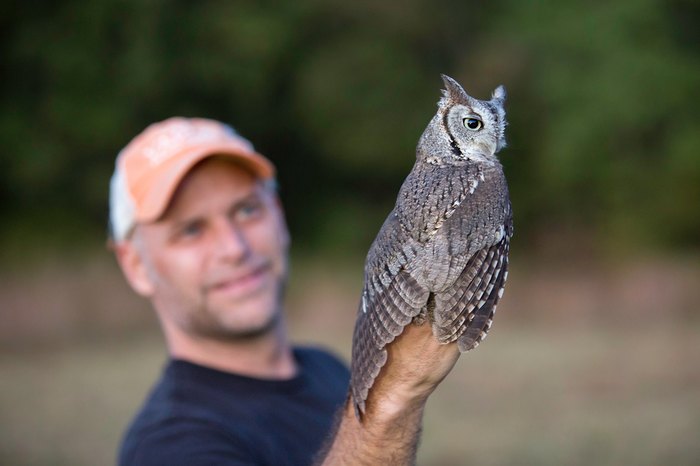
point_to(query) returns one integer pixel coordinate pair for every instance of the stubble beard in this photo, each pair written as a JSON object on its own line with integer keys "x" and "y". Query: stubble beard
{"x": 206, "y": 323}
{"x": 215, "y": 330}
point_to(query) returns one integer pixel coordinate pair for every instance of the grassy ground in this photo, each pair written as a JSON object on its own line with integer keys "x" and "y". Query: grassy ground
{"x": 583, "y": 366}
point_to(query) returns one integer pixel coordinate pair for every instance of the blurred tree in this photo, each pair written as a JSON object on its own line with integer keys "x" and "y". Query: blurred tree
{"x": 615, "y": 94}
{"x": 604, "y": 132}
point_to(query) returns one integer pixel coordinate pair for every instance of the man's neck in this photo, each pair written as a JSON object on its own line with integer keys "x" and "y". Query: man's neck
{"x": 267, "y": 357}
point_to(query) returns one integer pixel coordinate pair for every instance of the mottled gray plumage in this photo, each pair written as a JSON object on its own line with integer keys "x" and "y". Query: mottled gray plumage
{"x": 442, "y": 254}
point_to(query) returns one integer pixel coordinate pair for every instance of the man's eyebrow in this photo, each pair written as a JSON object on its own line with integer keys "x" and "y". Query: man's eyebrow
{"x": 256, "y": 196}
{"x": 177, "y": 224}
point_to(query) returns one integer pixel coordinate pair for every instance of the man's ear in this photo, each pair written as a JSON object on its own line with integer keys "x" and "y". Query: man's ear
{"x": 134, "y": 268}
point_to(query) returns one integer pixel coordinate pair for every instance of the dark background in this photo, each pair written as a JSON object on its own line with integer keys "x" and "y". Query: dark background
{"x": 602, "y": 100}
{"x": 596, "y": 359}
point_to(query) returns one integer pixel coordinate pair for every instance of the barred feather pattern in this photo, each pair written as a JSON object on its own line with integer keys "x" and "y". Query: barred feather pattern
{"x": 441, "y": 256}
{"x": 400, "y": 279}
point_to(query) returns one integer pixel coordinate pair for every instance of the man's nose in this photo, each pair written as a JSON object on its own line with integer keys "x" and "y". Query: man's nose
{"x": 231, "y": 242}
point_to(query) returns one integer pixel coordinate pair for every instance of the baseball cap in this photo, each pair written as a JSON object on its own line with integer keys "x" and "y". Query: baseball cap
{"x": 149, "y": 169}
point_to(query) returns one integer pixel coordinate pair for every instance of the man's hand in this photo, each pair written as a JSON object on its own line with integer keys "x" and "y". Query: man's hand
{"x": 390, "y": 428}
{"x": 416, "y": 364}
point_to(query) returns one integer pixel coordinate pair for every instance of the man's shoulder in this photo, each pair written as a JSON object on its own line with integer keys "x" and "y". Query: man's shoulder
{"x": 184, "y": 440}
{"x": 184, "y": 421}
{"x": 181, "y": 407}
{"x": 194, "y": 412}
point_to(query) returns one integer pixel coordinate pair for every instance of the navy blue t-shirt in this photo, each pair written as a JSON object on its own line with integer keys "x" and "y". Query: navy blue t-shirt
{"x": 201, "y": 416}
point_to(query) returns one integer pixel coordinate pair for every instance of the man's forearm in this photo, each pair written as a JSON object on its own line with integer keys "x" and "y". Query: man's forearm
{"x": 391, "y": 425}
{"x": 387, "y": 435}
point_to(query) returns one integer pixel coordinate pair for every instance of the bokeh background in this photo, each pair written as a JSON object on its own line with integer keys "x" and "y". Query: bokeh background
{"x": 594, "y": 357}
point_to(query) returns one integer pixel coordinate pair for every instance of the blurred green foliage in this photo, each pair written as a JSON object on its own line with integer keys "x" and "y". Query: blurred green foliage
{"x": 604, "y": 128}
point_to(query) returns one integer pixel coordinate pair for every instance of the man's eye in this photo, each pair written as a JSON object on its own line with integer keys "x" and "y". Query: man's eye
{"x": 191, "y": 229}
{"x": 249, "y": 210}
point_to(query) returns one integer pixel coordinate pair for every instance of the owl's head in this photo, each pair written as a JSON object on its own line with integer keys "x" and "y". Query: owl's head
{"x": 470, "y": 129}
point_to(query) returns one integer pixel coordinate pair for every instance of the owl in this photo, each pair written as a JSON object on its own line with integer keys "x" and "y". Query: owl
{"x": 441, "y": 256}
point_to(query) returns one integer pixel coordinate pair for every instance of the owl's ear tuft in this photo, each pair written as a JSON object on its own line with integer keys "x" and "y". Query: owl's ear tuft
{"x": 453, "y": 90}
{"x": 499, "y": 93}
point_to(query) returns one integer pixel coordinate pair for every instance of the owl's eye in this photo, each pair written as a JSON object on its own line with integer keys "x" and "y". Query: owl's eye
{"x": 473, "y": 124}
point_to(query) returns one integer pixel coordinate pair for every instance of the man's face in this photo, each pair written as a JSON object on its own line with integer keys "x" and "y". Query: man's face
{"x": 216, "y": 262}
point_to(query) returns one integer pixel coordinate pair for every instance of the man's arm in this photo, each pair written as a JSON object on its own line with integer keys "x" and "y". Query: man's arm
{"x": 390, "y": 428}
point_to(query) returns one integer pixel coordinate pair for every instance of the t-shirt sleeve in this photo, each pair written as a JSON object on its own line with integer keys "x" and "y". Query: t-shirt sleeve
{"x": 187, "y": 442}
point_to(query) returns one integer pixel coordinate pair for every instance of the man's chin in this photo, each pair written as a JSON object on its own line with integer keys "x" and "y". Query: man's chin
{"x": 239, "y": 331}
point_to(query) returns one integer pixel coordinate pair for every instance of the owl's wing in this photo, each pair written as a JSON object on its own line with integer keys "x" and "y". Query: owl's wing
{"x": 464, "y": 312}
{"x": 391, "y": 298}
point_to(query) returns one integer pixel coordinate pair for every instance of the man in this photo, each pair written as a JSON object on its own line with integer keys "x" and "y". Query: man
{"x": 198, "y": 229}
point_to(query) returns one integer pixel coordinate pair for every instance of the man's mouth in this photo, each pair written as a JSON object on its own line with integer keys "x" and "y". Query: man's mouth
{"x": 243, "y": 284}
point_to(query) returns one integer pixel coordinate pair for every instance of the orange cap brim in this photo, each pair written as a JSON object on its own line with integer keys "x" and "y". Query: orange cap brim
{"x": 158, "y": 190}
